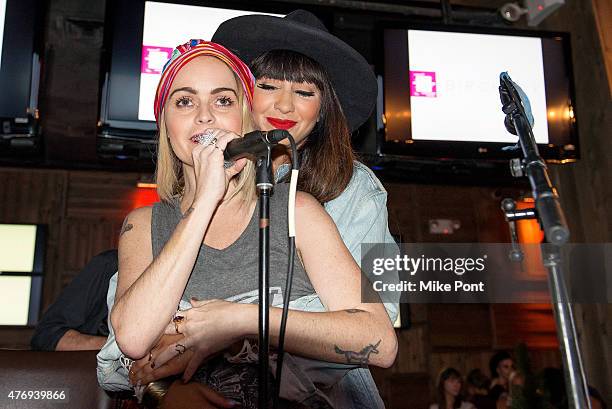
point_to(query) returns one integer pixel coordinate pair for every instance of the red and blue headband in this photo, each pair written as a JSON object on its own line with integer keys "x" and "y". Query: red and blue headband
{"x": 187, "y": 52}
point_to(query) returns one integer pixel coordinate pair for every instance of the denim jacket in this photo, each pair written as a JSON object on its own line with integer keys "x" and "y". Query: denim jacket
{"x": 360, "y": 213}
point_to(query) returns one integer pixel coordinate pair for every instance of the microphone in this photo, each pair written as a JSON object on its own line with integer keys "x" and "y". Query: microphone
{"x": 254, "y": 143}
{"x": 523, "y": 100}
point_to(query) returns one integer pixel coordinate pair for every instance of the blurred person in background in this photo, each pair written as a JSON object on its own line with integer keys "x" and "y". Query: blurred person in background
{"x": 477, "y": 387}
{"x": 501, "y": 366}
{"x": 448, "y": 391}
{"x": 77, "y": 320}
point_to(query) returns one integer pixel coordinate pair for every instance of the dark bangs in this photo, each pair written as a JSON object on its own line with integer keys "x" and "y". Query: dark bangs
{"x": 286, "y": 65}
{"x": 449, "y": 373}
{"x": 326, "y": 156}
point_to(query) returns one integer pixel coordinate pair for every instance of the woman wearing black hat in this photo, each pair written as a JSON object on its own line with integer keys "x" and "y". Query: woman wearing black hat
{"x": 320, "y": 89}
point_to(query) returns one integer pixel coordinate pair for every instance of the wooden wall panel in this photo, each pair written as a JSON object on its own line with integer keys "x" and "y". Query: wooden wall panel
{"x": 100, "y": 195}
{"x": 83, "y": 212}
{"x": 413, "y": 348}
{"x": 594, "y": 326}
{"x": 412, "y": 206}
{"x": 477, "y": 209}
{"x": 532, "y": 324}
{"x": 418, "y": 313}
{"x": 403, "y": 210}
{"x": 31, "y": 196}
{"x": 405, "y": 391}
{"x": 84, "y": 239}
{"x": 459, "y": 326}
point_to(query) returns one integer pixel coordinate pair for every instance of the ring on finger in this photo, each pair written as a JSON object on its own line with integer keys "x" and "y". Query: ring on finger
{"x": 180, "y": 348}
{"x": 177, "y": 320}
{"x": 206, "y": 137}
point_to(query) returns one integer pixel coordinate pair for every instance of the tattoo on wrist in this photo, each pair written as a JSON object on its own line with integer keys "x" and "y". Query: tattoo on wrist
{"x": 362, "y": 357}
{"x": 354, "y": 310}
{"x": 188, "y": 212}
{"x": 126, "y": 227}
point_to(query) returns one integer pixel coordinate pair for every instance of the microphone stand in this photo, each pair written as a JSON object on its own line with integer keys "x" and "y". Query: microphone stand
{"x": 258, "y": 145}
{"x": 264, "y": 182}
{"x": 552, "y": 220}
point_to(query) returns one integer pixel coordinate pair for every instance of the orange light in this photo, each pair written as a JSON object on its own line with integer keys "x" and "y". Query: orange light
{"x": 144, "y": 196}
{"x": 146, "y": 185}
{"x": 529, "y": 232}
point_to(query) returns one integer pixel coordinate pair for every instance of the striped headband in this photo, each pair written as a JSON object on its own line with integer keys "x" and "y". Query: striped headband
{"x": 182, "y": 54}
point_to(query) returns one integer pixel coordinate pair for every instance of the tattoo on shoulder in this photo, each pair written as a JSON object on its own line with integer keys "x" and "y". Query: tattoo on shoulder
{"x": 188, "y": 212}
{"x": 126, "y": 227}
{"x": 354, "y": 310}
{"x": 362, "y": 357}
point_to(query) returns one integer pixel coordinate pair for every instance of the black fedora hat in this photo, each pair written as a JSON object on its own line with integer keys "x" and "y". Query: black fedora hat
{"x": 301, "y": 31}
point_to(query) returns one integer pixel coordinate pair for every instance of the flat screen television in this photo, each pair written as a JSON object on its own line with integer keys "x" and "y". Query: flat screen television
{"x": 20, "y": 46}
{"x": 22, "y": 260}
{"x": 140, "y": 40}
{"x": 441, "y": 97}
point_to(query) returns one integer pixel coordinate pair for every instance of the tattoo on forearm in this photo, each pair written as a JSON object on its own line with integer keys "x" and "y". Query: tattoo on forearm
{"x": 126, "y": 227}
{"x": 188, "y": 212}
{"x": 354, "y": 310}
{"x": 362, "y": 357}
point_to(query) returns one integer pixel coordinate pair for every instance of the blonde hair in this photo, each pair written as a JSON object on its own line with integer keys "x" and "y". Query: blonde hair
{"x": 169, "y": 169}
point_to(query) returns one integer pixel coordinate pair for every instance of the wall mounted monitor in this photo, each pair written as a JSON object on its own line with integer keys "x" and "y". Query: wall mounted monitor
{"x": 441, "y": 97}
{"x": 139, "y": 40}
{"x": 20, "y": 44}
{"x": 22, "y": 258}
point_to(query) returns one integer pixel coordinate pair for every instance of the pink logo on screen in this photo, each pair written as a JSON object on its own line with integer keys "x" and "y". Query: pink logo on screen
{"x": 154, "y": 58}
{"x": 423, "y": 84}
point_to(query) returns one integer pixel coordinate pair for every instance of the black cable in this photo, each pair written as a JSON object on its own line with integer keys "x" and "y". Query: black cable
{"x": 288, "y": 284}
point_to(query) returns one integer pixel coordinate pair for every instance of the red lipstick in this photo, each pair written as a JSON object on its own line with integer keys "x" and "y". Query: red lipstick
{"x": 280, "y": 123}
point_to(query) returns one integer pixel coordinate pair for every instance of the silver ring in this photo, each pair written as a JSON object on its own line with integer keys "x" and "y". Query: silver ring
{"x": 180, "y": 348}
{"x": 206, "y": 138}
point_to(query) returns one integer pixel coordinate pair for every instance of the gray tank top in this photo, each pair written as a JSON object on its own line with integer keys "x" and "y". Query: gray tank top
{"x": 232, "y": 273}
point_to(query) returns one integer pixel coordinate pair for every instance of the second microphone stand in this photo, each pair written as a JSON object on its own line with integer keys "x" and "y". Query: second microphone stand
{"x": 550, "y": 215}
